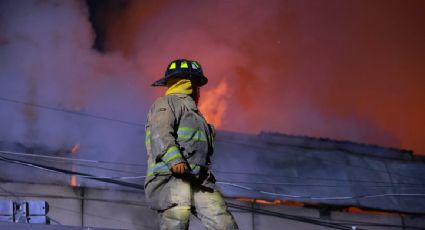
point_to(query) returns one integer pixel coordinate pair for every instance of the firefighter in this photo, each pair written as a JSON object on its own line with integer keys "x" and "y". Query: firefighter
{"x": 179, "y": 144}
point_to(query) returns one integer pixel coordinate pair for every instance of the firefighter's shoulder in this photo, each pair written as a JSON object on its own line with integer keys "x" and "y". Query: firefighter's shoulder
{"x": 167, "y": 102}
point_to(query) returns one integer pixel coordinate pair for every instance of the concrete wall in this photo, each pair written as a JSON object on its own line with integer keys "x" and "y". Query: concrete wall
{"x": 118, "y": 209}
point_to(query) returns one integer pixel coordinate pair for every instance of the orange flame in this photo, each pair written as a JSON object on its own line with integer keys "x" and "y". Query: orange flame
{"x": 73, "y": 181}
{"x": 74, "y": 150}
{"x": 213, "y": 103}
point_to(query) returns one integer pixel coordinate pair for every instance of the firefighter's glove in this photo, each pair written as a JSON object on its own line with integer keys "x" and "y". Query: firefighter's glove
{"x": 179, "y": 168}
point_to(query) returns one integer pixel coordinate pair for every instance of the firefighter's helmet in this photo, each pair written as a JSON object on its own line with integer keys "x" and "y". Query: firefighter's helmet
{"x": 183, "y": 68}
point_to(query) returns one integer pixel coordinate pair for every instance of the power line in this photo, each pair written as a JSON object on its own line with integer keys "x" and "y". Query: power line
{"x": 138, "y": 175}
{"x": 315, "y": 178}
{"x": 320, "y": 198}
{"x": 297, "y": 218}
{"x": 328, "y": 161}
{"x": 292, "y": 217}
{"x": 232, "y": 205}
{"x": 139, "y": 124}
{"x": 137, "y": 186}
{"x": 70, "y": 159}
{"x": 324, "y": 185}
{"x": 68, "y": 172}
{"x": 72, "y": 112}
{"x": 338, "y": 223}
{"x": 103, "y": 217}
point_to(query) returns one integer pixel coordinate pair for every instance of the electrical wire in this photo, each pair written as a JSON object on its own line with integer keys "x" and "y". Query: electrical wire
{"x": 339, "y": 223}
{"x": 302, "y": 219}
{"x": 394, "y": 185}
{"x": 321, "y": 198}
{"x": 72, "y": 112}
{"x": 51, "y": 169}
{"x": 68, "y": 172}
{"x": 70, "y": 159}
{"x": 137, "y": 186}
{"x": 139, "y": 174}
{"x": 218, "y": 139}
{"x": 103, "y": 217}
{"x": 292, "y": 217}
{"x": 328, "y": 161}
{"x": 231, "y": 205}
{"x": 19, "y": 198}
{"x": 109, "y": 200}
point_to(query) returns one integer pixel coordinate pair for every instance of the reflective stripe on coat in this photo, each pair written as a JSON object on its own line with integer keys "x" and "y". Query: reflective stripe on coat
{"x": 176, "y": 132}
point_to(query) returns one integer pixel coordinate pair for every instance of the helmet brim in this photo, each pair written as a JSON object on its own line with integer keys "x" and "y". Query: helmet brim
{"x": 202, "y": 80}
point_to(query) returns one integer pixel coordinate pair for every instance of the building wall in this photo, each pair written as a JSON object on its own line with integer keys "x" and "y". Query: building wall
{"x": 119, "y": 209}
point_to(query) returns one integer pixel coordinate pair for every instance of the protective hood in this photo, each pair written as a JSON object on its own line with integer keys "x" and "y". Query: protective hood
{"x": 181, "y": 86}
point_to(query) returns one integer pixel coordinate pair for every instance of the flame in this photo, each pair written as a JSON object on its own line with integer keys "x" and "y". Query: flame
{"x": 74, "y": 150}
{"x": 73, "y": 181}
{"x": 213, "y": 103}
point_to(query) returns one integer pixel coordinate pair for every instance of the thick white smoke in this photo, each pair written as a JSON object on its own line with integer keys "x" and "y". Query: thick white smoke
{"x": 46, "y": 59}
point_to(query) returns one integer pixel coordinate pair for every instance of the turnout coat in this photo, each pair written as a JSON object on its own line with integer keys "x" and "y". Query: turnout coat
{"x": 176, "y": 132}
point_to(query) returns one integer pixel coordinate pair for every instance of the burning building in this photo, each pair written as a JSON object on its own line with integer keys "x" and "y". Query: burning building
{"x": 75, "y": 89}
{"x": 298, "y": 182}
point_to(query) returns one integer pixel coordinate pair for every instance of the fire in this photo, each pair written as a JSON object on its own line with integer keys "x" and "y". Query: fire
{"x": 74, "y": 150}
{"x": 73, "y": 181}
{"x": 213, "y": 103}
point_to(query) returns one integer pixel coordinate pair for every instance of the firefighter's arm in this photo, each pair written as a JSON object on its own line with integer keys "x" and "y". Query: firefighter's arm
{"x": 162, "y": 125}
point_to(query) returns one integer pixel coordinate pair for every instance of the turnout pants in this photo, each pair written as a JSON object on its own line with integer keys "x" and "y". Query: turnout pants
{"x": 206, "y": 204}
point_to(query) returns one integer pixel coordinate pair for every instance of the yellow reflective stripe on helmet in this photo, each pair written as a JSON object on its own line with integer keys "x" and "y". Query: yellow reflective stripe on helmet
{"x": 183, "y": 65}
{"x": 172, "y": 66}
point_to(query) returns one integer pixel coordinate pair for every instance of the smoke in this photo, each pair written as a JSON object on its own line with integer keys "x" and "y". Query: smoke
{"x": 346, "y": 70}
{"x": 46, "y": 59}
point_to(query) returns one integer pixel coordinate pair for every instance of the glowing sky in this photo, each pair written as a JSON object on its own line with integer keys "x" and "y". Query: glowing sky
{"x": 342, "y": 69}
{"x": 350, "y": 70}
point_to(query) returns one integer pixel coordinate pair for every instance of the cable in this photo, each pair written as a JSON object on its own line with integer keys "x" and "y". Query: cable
{"x": 11, "y": 193}
{"x": 112, "y": 119}
{"x": 103, "y": 168}
{"x": 394, "y": 185}
{"x": 138, "y": 124}
{"x": 72, "y": 112}
{"x": 235, "y": 182}
{"x": 139, "y": 175}
{"x": 103, "y": 217}
{"x": 232, "y": 205}
{"x": 126, "y": 202}
{"x": 308, "y": 219}
{"x": 68, "y": 172}
{"x": 137, "y": 186}
{"x": 69, "y": 159}
{"x": 327, "y": 225}
{"x": 328, "y": 161}
{"x": 291, "y": 217}
{"x": 53, "y": 220}
{"x": 54, "y": 158}
{"x": 320, "y": 198}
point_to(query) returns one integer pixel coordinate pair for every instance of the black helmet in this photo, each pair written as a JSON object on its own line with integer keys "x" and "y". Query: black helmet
{"x": 183, "y": 68}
